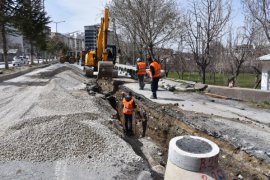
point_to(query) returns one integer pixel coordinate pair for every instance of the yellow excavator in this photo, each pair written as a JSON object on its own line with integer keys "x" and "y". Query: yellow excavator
{"x": 103, "y": 58}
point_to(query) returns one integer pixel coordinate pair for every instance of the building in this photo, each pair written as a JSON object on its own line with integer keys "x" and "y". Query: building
{"x": 90, "y": 38}
{"x": 265, "y": 83}
{"x": 15, "y": 46}
{"x": 74, "y": 41}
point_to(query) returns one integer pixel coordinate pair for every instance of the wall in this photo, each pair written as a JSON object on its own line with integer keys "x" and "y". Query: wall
{"x": 265, "y": 84}
{"x": 243, "y": 94}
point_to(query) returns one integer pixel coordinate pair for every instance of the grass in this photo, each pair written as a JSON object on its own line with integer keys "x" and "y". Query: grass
{"x": 245, "y": 80}
{"x": 8, "y": 71}
{"x": 264, "y": 105}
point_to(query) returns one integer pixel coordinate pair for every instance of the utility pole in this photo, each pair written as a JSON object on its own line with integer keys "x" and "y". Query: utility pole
{"x": 56, "y": 24}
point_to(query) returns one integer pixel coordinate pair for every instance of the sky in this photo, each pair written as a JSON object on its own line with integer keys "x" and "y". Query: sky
{"x": 80, "y": 13}
{"x": 75, "y": 13}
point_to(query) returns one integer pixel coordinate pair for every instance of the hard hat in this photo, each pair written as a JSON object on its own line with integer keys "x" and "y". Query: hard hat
{"x": 139, "y": 59}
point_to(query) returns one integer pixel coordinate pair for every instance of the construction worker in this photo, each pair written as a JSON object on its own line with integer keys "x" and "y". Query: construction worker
{"x": 129, "y": 106}
{"x": 154, "y": 74}
{"x": 141, "y": 72}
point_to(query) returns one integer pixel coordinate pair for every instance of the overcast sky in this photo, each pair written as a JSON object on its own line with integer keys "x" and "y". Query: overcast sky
{"x": 80, "y": 13}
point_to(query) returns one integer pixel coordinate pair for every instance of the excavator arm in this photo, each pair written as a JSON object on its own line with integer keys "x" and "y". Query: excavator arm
{"x": 100, "y": 59}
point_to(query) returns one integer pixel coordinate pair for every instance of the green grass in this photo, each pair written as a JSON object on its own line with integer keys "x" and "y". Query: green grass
{"x": 8, "y": 71}
{"x": 264, "y": 105}
{"x": 246, "y": 80}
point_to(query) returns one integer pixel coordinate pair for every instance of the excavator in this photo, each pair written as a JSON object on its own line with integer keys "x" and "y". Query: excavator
{"x": 70, "y": 57}
{"x": 103, "y": 58}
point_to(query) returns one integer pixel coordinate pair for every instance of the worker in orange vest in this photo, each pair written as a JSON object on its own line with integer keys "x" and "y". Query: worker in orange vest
{"x": 154, "y": 74}
{"x": 129, "y": 106}
{"x": 141, "y": 72}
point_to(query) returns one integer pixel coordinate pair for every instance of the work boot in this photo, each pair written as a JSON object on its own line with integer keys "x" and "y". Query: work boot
{"x": 153, "y": 97}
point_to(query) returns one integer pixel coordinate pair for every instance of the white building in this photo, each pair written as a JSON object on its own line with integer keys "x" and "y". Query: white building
{"x": 265, "y": 83}
{"x": 74, "y": 41}
{"x": 15, "y": 47}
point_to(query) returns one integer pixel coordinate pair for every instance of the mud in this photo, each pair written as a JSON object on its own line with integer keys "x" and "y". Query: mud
{"x": 160, "y": 123}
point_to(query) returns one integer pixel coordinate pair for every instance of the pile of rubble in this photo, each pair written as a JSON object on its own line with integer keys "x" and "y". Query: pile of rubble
{"x": 181, "y": 86}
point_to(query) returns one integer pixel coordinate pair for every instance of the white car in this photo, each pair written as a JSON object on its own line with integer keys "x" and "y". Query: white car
{"x": 20, "y": 60}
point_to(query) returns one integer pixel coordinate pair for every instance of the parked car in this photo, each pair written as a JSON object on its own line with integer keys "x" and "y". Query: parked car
{"x": 20, "y": 60}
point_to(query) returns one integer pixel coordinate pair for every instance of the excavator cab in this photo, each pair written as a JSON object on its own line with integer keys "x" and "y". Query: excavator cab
{"x": 111, "y": 51}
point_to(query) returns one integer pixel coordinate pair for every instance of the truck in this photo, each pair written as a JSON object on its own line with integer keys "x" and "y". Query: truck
{"x": 103, "y": 58}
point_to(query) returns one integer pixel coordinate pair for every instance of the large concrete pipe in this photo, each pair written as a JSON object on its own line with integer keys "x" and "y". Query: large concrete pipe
{"x": 194, "y": 158}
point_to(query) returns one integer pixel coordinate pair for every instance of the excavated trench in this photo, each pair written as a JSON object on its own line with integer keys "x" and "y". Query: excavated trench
{"x": 160, "y": 123}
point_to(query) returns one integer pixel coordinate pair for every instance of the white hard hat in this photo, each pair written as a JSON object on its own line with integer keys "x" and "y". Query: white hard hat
{"x": 139, "y": 59}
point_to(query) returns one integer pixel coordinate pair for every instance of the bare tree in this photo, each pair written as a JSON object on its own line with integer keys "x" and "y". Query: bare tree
{"x": 206, "y": 22}
{"x": 260, "y": 11}
{"x": 149, "y": 23}
{"x": 240, "y": 50}
{"x": 217, "y": 53}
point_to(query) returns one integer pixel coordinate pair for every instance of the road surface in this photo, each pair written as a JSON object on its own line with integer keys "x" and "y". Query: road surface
{"x": 50, "y": 128}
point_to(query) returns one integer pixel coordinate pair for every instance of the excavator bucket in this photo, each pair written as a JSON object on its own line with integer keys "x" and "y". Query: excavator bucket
{"x": 105, "y": 69}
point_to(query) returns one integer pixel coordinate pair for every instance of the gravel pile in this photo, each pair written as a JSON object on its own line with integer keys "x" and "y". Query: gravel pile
{"x": 58, "y": 131}
{"x": 50, "y": 138}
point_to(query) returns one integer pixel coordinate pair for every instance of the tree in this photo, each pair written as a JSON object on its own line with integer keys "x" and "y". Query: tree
{"x": 32, "y": 21}
{"x": 206, "y": 21}
{"x": 55, "y": 46}
{"x": 147, "y": 23}
{"x": 7, "y": 10}
{"x": 260, "y": 11}
{"x": 240, "y": 50}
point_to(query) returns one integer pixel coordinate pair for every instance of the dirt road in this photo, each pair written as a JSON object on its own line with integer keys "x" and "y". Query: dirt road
{"x": 50, "y": 128}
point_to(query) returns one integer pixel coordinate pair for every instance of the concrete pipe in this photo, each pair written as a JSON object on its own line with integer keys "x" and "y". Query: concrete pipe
{"x": 192, "y": 157}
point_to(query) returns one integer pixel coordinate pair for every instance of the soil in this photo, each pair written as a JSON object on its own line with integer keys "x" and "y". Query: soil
{"x": 160, "y": 123}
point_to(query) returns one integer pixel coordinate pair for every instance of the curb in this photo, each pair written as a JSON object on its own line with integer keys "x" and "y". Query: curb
{"x": 16, "y": 74}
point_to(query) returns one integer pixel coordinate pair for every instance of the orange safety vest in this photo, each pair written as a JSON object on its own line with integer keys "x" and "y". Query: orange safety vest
{"x": 156, "y": 67}
{"x": 128, "y": 106}
{"x": 142, "y": 68}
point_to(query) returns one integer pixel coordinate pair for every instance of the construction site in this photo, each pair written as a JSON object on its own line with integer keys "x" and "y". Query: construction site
{"x": 69, "y": 126}
{"x": 92, "y": 114}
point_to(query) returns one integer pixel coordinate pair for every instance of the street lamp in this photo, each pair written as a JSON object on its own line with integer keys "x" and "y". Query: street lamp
{"x": 56, "y": 24}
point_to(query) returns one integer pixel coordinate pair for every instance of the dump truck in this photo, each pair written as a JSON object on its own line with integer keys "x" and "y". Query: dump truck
{"x": 103, "y": 58}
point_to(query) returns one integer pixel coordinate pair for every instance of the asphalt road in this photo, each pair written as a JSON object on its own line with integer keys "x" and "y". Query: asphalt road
{"x": 50, "y": 128}
{"x": 2, "y": 64}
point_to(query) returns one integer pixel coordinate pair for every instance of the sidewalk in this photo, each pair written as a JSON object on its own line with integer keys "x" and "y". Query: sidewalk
{"x": 18, "y": 71}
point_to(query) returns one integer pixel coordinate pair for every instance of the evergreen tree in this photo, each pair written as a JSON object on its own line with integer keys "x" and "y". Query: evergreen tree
{"x": 7, "y": 10}
{"x": 31, "y": 21}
